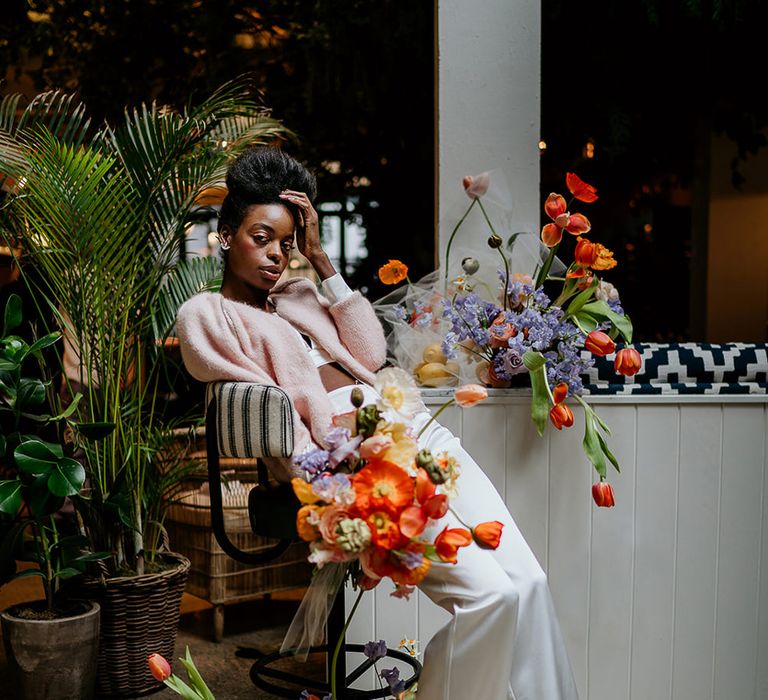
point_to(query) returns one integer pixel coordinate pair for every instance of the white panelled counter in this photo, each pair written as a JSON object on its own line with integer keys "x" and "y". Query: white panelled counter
{"x": 663, "y": 596}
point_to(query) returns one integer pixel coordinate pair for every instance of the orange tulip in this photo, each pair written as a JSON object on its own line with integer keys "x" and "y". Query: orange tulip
{"x": 404, "y": 576}
{"x": 488, "y": 535}
{"x": 159, "y": 667}
{"x": 580, "y": 189}
{"x": 599, "y": 343}
{"x": 556, "y": 209}
{"x": 602, "y": 493}
{"x": 393, "y": 272}
{"x": 468, "y": 395}
{"x": 561, "y": 415}
{"x": 628, "y": 362}
{"x": 585, "y": 252}
{"x": 447, "y": 543}
{"x": 560, "y": 392}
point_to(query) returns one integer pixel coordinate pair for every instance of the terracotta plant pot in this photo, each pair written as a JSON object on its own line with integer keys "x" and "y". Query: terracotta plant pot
{"x": 53, "y": 659}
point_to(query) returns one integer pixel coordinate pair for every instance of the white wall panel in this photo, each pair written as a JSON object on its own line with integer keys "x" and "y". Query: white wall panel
{"x": 663, "y": 596}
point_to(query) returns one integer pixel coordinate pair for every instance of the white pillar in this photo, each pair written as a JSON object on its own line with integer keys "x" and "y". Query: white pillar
{"x": 488, "y": 104}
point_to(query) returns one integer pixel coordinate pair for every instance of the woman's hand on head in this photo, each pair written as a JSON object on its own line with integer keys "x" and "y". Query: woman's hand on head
{"x": 308, "y": 233}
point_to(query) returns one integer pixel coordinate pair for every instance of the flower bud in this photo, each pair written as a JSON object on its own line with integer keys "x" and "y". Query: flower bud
{"x": 602, "y": 494}
{"x": 356, "y": 397}
{"x": 495, "y": 241}
{"x": 560, "y": 392}
{"x": 426, "y": 461}
{"x": 599, "y": 343}
{"x": 628, "y": 362}
{"x": 488, "y": 535}
{"x": 561, "y": 416}
{"x": 159, "y": 667}
{"x": 585, "y": 252}
{"x": 470, "y": 265}
{"x": 468, "y": 395}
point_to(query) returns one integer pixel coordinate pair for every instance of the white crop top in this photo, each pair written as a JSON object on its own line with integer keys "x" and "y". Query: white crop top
{"x": 335, "y": 289}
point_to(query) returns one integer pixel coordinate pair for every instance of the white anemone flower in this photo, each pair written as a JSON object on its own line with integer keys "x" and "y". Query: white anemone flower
{"x": 400, "y": 398}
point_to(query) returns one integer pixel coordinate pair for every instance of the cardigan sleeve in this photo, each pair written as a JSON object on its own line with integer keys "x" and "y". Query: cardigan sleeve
{"x": 360, "y": 330}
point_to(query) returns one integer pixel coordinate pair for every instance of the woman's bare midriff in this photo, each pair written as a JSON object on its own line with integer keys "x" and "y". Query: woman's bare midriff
{"x": 333, "y": 378}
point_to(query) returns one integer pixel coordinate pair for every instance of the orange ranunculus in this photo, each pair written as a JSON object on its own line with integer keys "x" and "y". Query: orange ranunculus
{"x": 602, "y": 493}
{"x": 382, "y": 485}
{"x": 393, "y": 272}
{"x": 605, "y": 260}
{"x": 384, "y": 531}
{"x": 488, "y": 535}
{"x": 306, "y": 531}
{"x": 580, "y": 189}
{"x": 412, "y": 521}
{"x": 303, "y": 491}
{"x": 476, "y": 186}
{"x": 628, "y": 362}
{"x": 561, "y": 416}
{"x": 560, "y": 392}
{"x": 468, "y": 395}
{"x": 159, "y": 667}
{"x": 501, "y": 331}
{"x": 447, "y": 543}
{"x": 556, "y": 209}
{"x": 585, "y": 252}
{"x": 599, "y": 343}
{"x": 329, "y": 520}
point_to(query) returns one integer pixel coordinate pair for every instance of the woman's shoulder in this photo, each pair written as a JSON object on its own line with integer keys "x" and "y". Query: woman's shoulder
{"x": 199, "y": 304}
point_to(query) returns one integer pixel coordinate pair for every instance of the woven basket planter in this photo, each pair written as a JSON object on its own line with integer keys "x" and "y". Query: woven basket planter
{"x": 139, "y": 616}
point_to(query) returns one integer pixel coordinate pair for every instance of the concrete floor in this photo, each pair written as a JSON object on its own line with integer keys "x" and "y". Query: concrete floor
{"x": 259, "y": 624}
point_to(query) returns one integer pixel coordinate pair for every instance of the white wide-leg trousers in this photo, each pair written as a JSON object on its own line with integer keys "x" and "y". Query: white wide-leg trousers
{"x": 503, "y": 641}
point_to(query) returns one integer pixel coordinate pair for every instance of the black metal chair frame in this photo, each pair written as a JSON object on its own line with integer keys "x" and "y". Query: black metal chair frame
{"x": 262, "y": 673}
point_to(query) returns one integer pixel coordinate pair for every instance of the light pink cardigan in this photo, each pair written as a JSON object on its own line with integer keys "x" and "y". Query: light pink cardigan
{"x": 228, "y": 340}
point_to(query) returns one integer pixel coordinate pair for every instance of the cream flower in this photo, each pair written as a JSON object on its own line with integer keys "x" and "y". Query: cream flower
{"x": 400, "y": 398}
{"x": 606, "y": 292}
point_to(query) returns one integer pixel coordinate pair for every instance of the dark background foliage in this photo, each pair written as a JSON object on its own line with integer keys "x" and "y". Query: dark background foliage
{"x": 646, "y": 83}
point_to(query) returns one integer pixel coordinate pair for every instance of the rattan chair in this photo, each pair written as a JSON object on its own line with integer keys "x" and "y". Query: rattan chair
{"x": 252, "y": 421}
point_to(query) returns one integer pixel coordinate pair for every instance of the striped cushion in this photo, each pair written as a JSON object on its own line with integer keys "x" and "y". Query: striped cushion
{"x": 253, "y": 420}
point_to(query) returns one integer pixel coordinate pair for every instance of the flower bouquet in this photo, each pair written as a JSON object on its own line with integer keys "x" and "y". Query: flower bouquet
{"x": 542, "y": 320}
{"x": 370, "y": 498}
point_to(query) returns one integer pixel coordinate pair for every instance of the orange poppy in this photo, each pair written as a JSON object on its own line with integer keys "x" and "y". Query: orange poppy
{"x": 384, "y": 531}
{"x": 382, "y": 486}
{"x": 580, "y": 189}
{"x": 393, "y": 272}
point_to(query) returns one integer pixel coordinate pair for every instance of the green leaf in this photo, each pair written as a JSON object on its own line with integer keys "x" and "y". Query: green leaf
{"x": 31, "y": 393}
{"x": 585, "y": 322}
{"x": 41, "y": 501}
{"x": 69, "y": 410}
{"x": 536, "y": 364}
{"x": 27, "y": 573}
{"x": 581, "y": 298}
{"x": 67, "y": 572}
{"x": 68, "y": 477}
{"x": 608, "y": 453}
{"x": 93, "y": 556}
{"x": 35, "y": 457}
{"x": 12, "y": 318}
{"x": 44, "y": 342}
{"x": 10, "y": 496}
{"x": 76, "y": 541}
{"x": 195, "y": 678}
{"x": 94, "y": 431}
{"x": 592, "y": 447}
{"x": 601, "y": 310}
{"x": 3, "y": 445}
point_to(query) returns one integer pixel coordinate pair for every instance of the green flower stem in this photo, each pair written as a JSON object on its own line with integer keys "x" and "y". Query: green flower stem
{"x": 450, "y": 402}
{"x": 456, "y": 515}
{"x": 544, "y": 271}
{"x": 501, "y": 252}
{"x": 341, "y": 639}
{"x": 453, "y": 234}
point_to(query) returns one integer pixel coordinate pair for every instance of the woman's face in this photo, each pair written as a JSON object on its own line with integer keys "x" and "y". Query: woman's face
{"x": 259, "y": 249}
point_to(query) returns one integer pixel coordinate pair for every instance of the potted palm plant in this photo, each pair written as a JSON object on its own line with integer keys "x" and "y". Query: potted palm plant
{"x": 51, "y": 644}
{"x": 101, "y": 215}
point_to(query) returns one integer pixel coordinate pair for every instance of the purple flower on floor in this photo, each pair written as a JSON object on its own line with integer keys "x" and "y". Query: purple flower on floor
{"x": 375, "y": 650}
{"x": 392, "y": 677}
{"x": 306, "y": 695}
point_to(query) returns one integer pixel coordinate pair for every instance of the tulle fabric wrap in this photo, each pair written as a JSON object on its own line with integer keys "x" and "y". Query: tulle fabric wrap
{"x": 307, "y": 629}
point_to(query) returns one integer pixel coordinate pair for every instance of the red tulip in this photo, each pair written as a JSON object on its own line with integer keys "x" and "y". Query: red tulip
{"x": 628, "y": 362}
{"x": 556, "y": 209}
{"x": 560, "y": 392}
{"x": 488, "y": 535}
{"x": 598, "y": 343}
{"x": 585, "y": 253}
{"x": 447, "y": 543}
{"x": 580, "y": 189}
{"x": 561, "y": 416}
{"x": 159, "y": 667}
{"x": 602, "y": 493}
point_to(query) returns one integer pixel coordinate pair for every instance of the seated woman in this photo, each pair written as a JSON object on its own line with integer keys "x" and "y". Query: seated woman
{"x": 504, "y": 640}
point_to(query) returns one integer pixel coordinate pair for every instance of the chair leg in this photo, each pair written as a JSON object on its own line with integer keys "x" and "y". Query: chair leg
{"x": 218, "y": 623}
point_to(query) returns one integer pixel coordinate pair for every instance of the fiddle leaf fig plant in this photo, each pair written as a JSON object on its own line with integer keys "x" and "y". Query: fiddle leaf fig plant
{"x": 46, "y": 471}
